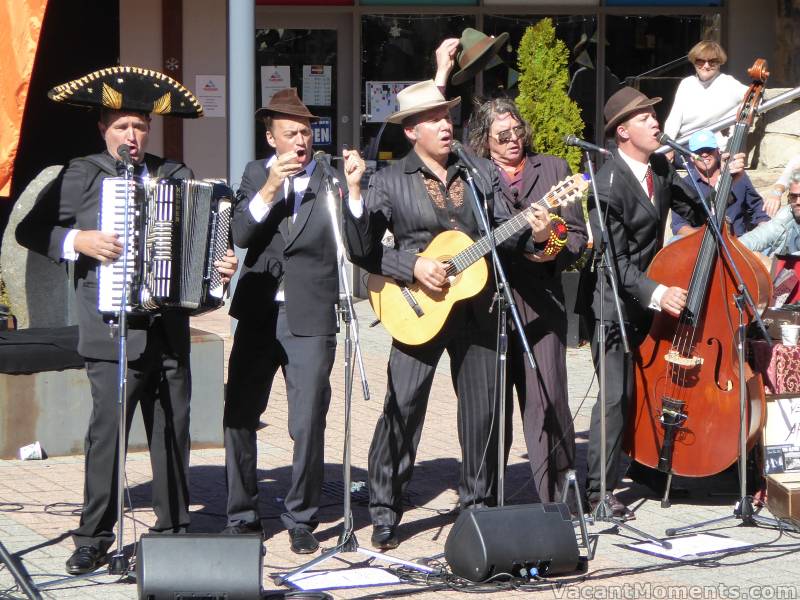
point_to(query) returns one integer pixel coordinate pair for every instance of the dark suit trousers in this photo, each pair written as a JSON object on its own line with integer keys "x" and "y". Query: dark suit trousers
{"x": 306, "y": 362}
{"x": 397, "y": 434}
{"x": 544, "y": 406}
{"x": 161, "y": 385}
{"x": 619, "y": 391}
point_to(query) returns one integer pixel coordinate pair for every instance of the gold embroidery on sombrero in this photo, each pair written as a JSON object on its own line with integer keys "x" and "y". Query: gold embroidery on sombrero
{"x": 163, "y": 105}
{"x": 111, "y": 97}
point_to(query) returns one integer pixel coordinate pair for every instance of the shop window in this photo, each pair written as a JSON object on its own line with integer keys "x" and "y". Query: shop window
{"x": 304, "y": 59}
{"x": 647, "y": 51}
{"x": 576, "y": 31}
{"x": 398, "y": 50}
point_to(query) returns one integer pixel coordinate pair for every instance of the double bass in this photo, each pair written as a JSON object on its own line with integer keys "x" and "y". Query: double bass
{"x": 686, "y": 409}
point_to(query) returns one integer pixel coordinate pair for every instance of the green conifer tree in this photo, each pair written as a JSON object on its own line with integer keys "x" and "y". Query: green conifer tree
{"x": 542, "y": 100}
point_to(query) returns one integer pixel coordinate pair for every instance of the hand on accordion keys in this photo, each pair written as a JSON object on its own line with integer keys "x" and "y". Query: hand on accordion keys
{"x": 227, "y": 266}
{"x": 102, "y": 246}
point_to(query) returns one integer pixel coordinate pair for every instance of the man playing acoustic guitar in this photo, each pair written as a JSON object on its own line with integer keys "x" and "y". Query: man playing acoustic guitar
{"x": 418, "y": 197}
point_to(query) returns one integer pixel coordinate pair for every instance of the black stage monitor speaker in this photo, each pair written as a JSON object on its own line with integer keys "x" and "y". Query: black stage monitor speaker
{"x": 512, "y": 539}
{"x": 199, "y": 565}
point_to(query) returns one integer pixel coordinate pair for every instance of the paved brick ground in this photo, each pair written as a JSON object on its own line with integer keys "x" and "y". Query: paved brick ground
{"x": 39, "y": 502}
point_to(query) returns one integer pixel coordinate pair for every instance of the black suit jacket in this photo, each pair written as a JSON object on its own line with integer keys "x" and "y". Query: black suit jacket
{"x": 305, "y": 258}
{"x": 539, "y": 284}
{"x": 75, "y": 204}
{"x": 636, "y": 232}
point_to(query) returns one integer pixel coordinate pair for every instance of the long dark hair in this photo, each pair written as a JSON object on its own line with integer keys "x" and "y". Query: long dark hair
{"x": 484, "y": 114}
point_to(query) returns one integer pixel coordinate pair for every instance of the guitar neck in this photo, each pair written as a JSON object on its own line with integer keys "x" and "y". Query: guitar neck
{"x": 483, "y": 246}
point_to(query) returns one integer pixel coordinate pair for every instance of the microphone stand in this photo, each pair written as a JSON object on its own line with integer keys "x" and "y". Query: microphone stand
{"x": 603, "y": 512}
{"x": 505, "y": 303}
{"x": 347, "y": 540}
{"x": 743, "y": 509}
{"x": 118, "y": 564}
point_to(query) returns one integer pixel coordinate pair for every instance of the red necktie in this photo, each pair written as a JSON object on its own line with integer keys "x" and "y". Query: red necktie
{"x": 649, "y": 180}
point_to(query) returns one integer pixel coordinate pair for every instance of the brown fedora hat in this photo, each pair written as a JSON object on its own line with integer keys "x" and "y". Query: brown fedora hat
{"x": 286, "y": 102}
{"x": 477, "y": 51}
{"x": 624, "y": 102}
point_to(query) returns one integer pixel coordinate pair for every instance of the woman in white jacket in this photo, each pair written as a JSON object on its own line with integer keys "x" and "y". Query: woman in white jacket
{"x": 705, "y": 97}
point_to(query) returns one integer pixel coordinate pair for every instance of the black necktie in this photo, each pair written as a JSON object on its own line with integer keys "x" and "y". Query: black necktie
{"x": 290, "y": 205}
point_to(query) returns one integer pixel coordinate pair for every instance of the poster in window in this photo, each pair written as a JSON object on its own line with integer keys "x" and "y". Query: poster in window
{"x": 382, "y": 98}
{"x": 273, "y": 79}
{"x": 317, "y": 85}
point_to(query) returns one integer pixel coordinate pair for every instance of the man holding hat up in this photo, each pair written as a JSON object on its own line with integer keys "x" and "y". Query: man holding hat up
{"x": 417, "y": 198}
{"x": 64, "y": 227}
{"x": 636, "y": 191}
{"x": 285, "y": 302}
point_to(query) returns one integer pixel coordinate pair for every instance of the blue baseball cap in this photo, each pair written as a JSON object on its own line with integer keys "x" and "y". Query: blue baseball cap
{"x": 704, "y": 138}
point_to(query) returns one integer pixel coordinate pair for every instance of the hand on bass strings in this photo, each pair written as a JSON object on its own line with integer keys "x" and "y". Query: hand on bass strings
{"x": 674, "y": 300}
{"x": 431, "y": 274}
{"x": 102, "y": 246}
{"x": 736, "y": 165}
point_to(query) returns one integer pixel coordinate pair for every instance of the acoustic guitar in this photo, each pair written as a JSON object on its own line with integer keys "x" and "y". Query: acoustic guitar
{"x": 411, "y": 313}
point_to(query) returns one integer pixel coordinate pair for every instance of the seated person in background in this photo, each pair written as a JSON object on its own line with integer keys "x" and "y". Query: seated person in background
{"x": 773, "y": 200}
{"x": 705, "y": 97}
{"x": 781, "y": 236}
{"x": 745, "y": 205}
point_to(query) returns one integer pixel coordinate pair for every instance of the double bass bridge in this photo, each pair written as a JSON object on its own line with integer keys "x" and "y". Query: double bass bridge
{"x": 679, "y": 360}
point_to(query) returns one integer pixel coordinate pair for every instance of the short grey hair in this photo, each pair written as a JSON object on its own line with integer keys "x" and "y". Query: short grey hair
{"x": 480, "y": 123}
{"x": 794, "y": 177}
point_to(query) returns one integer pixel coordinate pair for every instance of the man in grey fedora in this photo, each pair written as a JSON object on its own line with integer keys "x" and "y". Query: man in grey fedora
{"x": 417, "y": 198}
{"x": 285, "y": 302}
{"x": 636, "y": 191}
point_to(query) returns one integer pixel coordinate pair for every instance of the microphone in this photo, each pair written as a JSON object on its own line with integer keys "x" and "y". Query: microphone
{"x": 324, "y": 160}
{"x": 665, "y": 140}
{"x": 464, "y": 156}
{"x": 571, "y": 140}
{"x": 124, "y": 152}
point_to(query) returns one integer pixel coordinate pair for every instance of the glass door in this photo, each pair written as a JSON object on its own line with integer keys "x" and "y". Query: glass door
{"x": 312, "y": 53}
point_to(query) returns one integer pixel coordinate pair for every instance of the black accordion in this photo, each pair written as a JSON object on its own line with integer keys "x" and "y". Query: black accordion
{"x": 177, "y": 228}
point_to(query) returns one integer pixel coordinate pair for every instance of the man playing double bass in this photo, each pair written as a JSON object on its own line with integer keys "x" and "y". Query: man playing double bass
{"x": 636, "y": 191}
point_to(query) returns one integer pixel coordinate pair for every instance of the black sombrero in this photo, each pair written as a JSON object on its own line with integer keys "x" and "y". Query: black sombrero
{"x": 129, "y": 88}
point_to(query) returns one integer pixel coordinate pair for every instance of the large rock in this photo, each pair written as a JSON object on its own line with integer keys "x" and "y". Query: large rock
{"x": 776, "y": 138}
{"x": 39, "y": 289}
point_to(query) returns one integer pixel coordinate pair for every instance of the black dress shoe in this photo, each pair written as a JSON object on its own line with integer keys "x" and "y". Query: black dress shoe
{"x": 618, "y": 509}
{"x": 84, "y": 560}
{"x": 244, "y": 527}
{"x": 384, "y": 537}
{"x": 303, "y": 541}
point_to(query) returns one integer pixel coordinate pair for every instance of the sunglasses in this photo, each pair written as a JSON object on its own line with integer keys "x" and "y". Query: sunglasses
{"x": 712, "y": 62}
{"x": 505, "y": 136}
{"x": 794, "y": 196}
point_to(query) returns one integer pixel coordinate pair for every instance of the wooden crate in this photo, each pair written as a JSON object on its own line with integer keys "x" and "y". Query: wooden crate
{"x": 783, "y": 496}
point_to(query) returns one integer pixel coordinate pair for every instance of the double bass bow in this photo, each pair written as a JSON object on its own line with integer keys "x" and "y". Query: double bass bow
{"x": 686, "y": 408}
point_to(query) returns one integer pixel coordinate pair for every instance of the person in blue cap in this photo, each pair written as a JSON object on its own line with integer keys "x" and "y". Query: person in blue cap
{"x": 745, "y": 206}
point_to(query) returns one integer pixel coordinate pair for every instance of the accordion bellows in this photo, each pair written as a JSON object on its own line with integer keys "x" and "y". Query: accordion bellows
{"x": 129, "y": 88}
{"x": 177, "y": 229}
